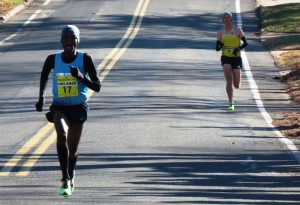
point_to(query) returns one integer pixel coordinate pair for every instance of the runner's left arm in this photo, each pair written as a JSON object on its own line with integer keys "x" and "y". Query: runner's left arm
{"x": 93, "y": 81}
{"x": 243, "y": 38}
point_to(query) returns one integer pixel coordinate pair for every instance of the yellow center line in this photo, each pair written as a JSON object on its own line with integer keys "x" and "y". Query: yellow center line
{"x": 124, "y": 38}
{"x": 30, "y": 162}
{"x": 25, "y": 149}
{"x": 130, "y": 34}
{"x": 106, "y": 65}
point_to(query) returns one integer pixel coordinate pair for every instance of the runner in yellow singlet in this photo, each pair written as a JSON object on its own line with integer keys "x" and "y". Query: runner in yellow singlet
{"x": 229, "y": 41}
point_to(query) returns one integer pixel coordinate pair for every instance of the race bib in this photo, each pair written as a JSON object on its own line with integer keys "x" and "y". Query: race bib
{"x": 228, "y": 51}
{"x": 67, "y": 86}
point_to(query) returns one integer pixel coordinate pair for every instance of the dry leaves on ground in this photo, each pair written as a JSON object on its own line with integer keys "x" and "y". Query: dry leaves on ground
{"x": 290, "y": 124}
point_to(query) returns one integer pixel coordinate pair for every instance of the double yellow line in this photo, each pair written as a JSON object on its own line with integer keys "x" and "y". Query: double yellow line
{"x": 42, "y": 136}
{"x": 46, "y": 136}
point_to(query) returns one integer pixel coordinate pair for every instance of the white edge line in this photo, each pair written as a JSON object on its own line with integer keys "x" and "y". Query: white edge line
{"x": 46, "y": 2}
{"x": 256, "y": 95}
{"x": 32, "y": 17}
{"x": 19, "y": 30}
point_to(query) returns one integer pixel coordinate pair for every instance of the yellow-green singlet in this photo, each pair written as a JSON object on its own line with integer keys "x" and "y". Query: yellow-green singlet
{"x": 230, "y": 41}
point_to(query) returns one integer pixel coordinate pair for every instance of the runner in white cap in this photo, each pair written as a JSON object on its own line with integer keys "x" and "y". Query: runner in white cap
{"x": 229, "y": 41}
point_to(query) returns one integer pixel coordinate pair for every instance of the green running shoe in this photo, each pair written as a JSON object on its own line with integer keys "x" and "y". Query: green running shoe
{"x": 65, "y": 189}
{"x": 231, "y": 107}
{"x": 73, "y": 182}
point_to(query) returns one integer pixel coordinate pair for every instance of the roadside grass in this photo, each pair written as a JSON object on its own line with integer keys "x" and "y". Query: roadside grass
{"x": 281, "y": 18}
{"x": 287, "y": 42}
{"x": 285, "y": 19}
{"x": 7, "y": 5}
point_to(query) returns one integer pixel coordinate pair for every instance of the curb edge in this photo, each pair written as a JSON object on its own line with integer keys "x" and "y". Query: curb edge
{"x": 14, "y": 11}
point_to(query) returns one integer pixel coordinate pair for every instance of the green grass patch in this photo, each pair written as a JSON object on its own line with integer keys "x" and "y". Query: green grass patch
{"x": 289, "y": 42}
{"x": 16, "y": 2}
{"x": 281, "y": 18}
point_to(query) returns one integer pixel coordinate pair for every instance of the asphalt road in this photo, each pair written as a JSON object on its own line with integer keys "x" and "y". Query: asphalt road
{"x": 158, "y": 132}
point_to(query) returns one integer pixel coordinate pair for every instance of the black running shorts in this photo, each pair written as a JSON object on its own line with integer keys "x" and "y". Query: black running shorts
{"x": 76, "y": 114}
{"x": 235, "y": 62}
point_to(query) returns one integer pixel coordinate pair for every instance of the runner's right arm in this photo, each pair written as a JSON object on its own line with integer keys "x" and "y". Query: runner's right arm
{"x": 48, "y": 66}
{"x": 219, "y": 44}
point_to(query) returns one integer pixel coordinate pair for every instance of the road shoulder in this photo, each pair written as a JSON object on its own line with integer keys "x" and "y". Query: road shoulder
{"x": 15, "y": 11}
